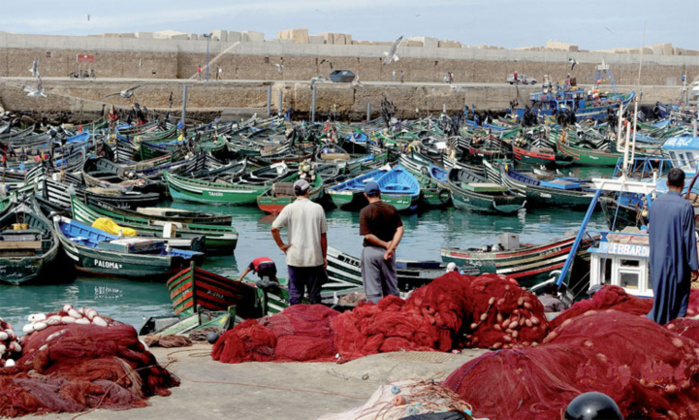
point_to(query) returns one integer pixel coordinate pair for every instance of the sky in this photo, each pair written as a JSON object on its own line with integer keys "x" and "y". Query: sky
{"x": 590, "y": 24}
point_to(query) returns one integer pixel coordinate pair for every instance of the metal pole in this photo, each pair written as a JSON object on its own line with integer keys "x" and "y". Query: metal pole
{"x": 208, "y": 38}
{"x": 578, "y": 239}
{"x": 281, "y": 101}
{"x": 368, "y": 112}
{"x": 269, "y": 100}
{"x": 313, "y": 105}
{"x": 184, "y": 104}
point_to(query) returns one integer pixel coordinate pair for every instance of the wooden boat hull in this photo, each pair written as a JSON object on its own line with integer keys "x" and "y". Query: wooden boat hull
{"x": 217, "y": 239}
{"x": 528, "y": 265}
{"x": 118, "y": 264}
{"x": 194, "y": 287}
{"x": 345, "y": 273}
{"x": 26, "y": 261}
{"x": 198, "y": 191}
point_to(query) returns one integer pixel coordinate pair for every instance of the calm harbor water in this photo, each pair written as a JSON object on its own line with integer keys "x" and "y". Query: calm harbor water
{"x": 132, "y": 302}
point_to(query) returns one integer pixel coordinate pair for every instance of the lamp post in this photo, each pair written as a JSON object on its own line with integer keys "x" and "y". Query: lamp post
{"x": 208, "y": 38}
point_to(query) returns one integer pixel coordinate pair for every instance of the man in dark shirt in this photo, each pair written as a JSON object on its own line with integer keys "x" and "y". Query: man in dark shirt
{"x": 382, "y": 229}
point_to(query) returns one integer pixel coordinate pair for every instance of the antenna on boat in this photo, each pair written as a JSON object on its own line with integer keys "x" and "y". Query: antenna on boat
{"x": 638, "y": 83}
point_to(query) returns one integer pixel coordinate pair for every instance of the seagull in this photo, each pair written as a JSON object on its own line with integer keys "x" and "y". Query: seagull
{"x": 317, "y": 79}
{"x": 573, "y": 63}
{"x": 610, "y": 31}
{"x": 35, "y": 68}
{"x": 325, "y": 60}
{"x": 38, "y": 93}
{"x": 391, "y": 54}
{"x": 126, "y": 93}
{"x": 456, "y": 88}
{"x": 280, "y": 67}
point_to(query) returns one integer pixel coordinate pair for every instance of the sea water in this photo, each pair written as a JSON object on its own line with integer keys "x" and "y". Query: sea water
{"x": 133, "y": 302}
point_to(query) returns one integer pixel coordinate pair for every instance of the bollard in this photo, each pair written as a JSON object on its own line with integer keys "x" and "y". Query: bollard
{"x": 281, "y": 101}
{"x": 313, "y": 105}
{"x": 269, "y": 100}
{"x": 184, "y": 103}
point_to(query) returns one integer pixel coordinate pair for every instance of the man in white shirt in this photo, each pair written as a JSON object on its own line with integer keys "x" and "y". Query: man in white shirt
{"x": 306, "y": 252}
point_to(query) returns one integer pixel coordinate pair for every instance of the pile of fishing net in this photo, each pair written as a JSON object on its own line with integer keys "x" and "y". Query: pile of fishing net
{"x": 614, "y": 297}
{"x": 438, "y": 316}
{"x": 410, "y": 397}
{"x": 504, "y": 315}
{"x": 650, "y": 371}
{"x": 74, "y": 367}
{"x": 299, "y": 333}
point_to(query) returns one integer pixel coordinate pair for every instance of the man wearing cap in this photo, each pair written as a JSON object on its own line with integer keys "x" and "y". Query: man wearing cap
{"x": 673, "y": 251}
{"x": 306, "y": 252}
{"x": 382, "y": 229}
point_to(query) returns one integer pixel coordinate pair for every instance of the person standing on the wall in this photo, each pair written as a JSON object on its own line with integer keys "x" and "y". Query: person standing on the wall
{"x": 402, "y": 76}
{"x": 198, "y": 72}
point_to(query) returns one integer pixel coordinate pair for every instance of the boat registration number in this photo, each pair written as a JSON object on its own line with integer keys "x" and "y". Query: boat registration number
{"x": 215, "y": 194}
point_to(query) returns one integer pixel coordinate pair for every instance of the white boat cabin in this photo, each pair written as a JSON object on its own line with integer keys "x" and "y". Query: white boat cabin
{"x": 621, "y": 259}
{"x": 684, "y": 153}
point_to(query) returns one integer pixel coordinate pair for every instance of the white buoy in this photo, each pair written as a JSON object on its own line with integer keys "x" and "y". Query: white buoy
{"x": 99, "y": 321}
{"x": 67, "y": 307}
{"x": 3, "y": 336}
{"x": 9, "y": 363}
{"x": 68, "y": 319}
{"x": 54, "y": 320}
{"x": 28, "y": 328}
{"x": 83, "y": 321}
{"x": 15, "y": 347}
{"x": 3, "y": 348}
{"x": 75, "y": 314}
{"x": 91, "y": 314}
{"x": 41, "y": 325}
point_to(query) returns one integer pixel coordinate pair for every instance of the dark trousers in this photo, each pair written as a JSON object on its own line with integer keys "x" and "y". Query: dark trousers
{"x": 301, "y": 278}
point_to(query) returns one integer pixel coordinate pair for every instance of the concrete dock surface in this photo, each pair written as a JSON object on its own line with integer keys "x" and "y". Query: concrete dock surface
{"x": 213, "y": 390}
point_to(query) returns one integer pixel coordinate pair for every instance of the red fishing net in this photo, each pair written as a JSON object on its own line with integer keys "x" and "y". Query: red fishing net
{"x": 299, "y": 333}
{"x": 598, "y": 351}
{"x": 435, "y": 317}
{"x": 75, "y": 367}
{"x": 504, "y": 315}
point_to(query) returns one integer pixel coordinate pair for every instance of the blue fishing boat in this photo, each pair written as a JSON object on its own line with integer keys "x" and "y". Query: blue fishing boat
{"x": 348, "y": 195}
{"x": 398, "y": 188}
{"x": 97, "y": 252}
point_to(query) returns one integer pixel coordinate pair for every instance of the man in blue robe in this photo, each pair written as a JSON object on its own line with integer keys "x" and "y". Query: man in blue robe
{"x": 673, "y": 251}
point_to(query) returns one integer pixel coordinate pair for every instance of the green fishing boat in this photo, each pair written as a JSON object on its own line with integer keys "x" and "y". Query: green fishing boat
{"x": 218, "y": 239}
{"x": 210, "y": 192}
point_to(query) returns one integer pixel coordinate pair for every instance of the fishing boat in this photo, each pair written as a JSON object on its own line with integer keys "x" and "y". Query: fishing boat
{"x": 212, "y": 192}
{"x": 218, "y": 239}
{"x": 280, "y": 194}
{"x": 529, "y": 264}
{"x": 471, "y": 191}
{"x": 194, "y": 287}
{"x": 97, "y": 252}
{"x": 588, "y": 156}
{"x": 397, "y": 186}
{"x": 541, "y": 155}
{"x": 557, "y": 191}
{"x": 28, "y": 244}
{"x": 345, "y": 272}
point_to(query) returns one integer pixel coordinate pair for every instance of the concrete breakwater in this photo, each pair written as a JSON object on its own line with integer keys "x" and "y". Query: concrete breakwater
{"x": 83, "y": 99}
